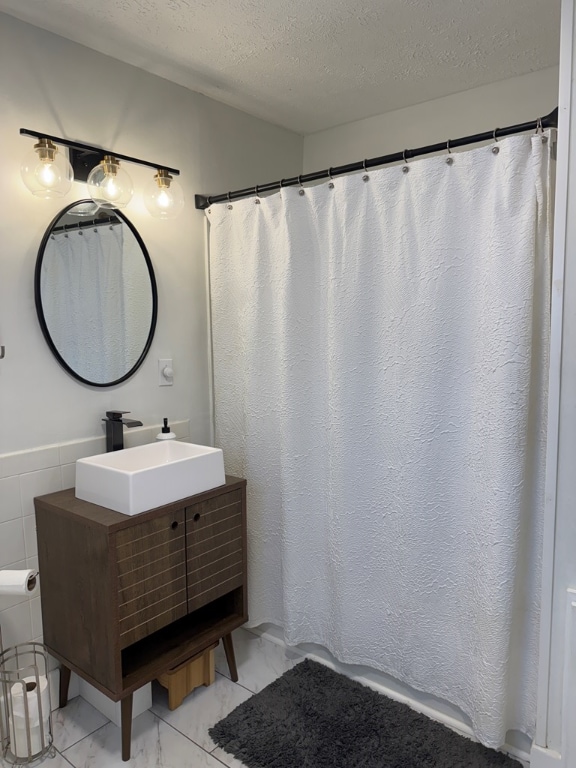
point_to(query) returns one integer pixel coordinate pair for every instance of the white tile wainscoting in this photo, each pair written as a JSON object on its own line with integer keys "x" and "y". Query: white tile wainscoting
{"x": 23, "y": 476}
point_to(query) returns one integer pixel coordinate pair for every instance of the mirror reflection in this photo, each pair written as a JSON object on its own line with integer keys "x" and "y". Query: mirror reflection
{"x": 95, "y": 294}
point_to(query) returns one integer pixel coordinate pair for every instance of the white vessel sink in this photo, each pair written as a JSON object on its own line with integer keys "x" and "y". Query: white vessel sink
{"x": 137, "y": 479}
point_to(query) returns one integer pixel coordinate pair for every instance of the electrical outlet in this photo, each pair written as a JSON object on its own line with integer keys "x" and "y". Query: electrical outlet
{"x": 165, "y": 373}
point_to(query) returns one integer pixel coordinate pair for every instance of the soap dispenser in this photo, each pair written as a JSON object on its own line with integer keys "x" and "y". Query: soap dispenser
{"x": 166, "y": 433}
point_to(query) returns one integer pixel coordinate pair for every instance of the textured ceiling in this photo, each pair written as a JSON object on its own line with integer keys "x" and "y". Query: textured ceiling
{"x": 313, "y": 64}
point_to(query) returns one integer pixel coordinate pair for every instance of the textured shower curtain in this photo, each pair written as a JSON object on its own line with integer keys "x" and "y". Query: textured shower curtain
{"x": 380, "y": 355}
{"x": 88, "y": 268}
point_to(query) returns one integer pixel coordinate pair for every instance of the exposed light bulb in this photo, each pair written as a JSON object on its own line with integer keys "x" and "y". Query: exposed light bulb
{"x": 46, "y": 170}
{"x": 46, "y": 175}
{"x": 164, "y": 200}
{"x": 163, "y": 196}
{"x": 109, "y": 184}
{"x": 111, "y": 189}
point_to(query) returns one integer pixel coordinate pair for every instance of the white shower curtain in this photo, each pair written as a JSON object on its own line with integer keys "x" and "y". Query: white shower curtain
{"x": 85, "y": 271}
{"x": 380, "y": 354}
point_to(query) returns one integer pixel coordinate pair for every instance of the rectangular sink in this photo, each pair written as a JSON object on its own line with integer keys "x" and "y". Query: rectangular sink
{"x": 138, "y": 479}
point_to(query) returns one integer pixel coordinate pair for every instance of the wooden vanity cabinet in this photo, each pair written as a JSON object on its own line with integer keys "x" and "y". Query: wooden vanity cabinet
{"x": 127, "y": 598}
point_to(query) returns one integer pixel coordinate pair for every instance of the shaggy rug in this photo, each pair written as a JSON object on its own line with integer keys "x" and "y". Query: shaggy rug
{"x": 313, "y": 717}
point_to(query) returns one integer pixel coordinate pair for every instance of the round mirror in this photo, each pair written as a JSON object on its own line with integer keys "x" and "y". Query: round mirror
{"x": 95, "y": 294}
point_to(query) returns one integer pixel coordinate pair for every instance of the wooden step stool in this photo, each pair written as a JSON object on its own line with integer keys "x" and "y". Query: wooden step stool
{"x": 192, "y": 673}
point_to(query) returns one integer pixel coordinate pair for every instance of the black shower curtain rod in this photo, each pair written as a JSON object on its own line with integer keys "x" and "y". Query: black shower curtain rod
{"x": 87, "y": 223}
{"x": 550, "y": 121}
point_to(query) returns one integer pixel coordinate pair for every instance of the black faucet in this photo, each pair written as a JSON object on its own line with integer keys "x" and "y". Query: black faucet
{"x": 115, "y": 429}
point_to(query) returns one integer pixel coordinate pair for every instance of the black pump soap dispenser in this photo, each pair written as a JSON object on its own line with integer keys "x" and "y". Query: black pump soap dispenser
{"x": 166, "y": 433}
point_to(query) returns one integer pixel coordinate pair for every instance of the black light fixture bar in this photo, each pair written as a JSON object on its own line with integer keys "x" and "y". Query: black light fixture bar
{"x": 97, "y": 150}
{"x": 550, "y": 121}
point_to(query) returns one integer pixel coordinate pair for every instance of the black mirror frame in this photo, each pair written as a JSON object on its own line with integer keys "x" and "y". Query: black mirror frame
{"x": 40, "y": 311}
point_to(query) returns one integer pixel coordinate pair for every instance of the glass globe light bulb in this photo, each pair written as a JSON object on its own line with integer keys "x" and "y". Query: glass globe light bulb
{"x": 163, "y": 196}
{"x": 109, "y": 185}
{"x": 164, "y": 199}
{"x": 111, "y": 189}
{"x": 47, "y": 175}
{"x": 46, "y": 171}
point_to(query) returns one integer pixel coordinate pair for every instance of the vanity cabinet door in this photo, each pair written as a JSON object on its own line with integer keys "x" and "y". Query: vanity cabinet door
{"x": 151, "y": 563}
{"x": 214, "y": 545}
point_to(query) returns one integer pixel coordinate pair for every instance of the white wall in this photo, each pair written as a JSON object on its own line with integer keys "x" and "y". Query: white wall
{"x": 508, "y": 102}
{"x": 50, "y": 84}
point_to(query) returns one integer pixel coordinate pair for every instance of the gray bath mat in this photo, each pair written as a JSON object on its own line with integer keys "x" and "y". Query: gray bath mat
{"x": 312, "y": 717}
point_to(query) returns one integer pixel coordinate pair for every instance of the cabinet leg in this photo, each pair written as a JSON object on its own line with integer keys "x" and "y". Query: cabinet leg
{"x": 126, "y": 717}
{"x": 230, "y": 658}
{"x": 64, "y": 685}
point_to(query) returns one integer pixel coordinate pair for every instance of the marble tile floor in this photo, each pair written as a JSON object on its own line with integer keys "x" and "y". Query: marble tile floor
{"x": 84, "y": 738}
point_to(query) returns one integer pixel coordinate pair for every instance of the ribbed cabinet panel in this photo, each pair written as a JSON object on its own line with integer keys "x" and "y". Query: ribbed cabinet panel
{"x": 151, "y": 566}
{"x": 215, "y": 551}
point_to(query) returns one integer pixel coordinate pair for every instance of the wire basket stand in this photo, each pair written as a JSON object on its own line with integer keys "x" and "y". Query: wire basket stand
{"x": 25, "y": 704}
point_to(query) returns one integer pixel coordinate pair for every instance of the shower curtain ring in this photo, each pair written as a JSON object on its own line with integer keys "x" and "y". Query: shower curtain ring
{"x": 448, "y": 147}
{"x": 331, "y": 183}
{"x": 365, "y": 177}
{"x": 406, "y": 168}
{"x": 539, "y": 128}
{"x": 449, "y": 160}
{"x": 257, "y": 190}
{"x": 495, "y": 150}
{"x": 301, "y": 190}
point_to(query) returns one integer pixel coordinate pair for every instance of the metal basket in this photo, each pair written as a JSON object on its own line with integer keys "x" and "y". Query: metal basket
{"x": 25, "y": 704}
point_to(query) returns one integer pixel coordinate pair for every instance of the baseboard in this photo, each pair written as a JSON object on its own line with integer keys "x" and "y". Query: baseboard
{"x": 540, "y": 757}
{"x": 54, "y": 681}
{"x": 142, "y": 700}
{"x": 323, "y": 656}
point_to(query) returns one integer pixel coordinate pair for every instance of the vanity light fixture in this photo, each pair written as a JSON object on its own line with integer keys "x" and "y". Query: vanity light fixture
{"x": 163, "y": 196}
{"x": 46, "y": 170}
{"x": 109, "y": 184}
